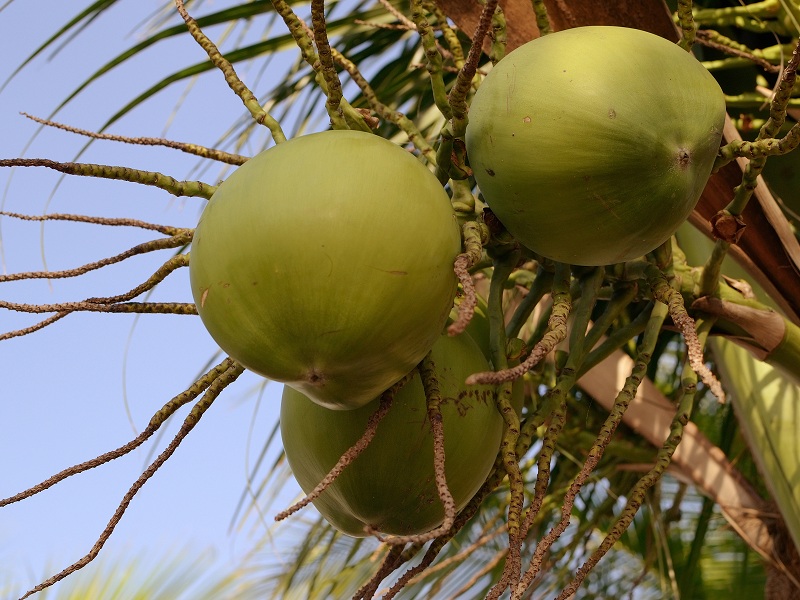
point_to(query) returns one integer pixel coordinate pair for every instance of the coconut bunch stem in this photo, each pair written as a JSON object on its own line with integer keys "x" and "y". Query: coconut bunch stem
{"x": 260, "y": 115}
{"x": 345, "y": 116}
{"x": 384, "y": 112}
{"x": 474, "y": 236}
{"x": 687, "y": 24}
{"x": 636, "y": 496}
{"x": 152, "y": 178}
{"x": 219, "y": 381}
{"x": 195, "y": 149}
{"x": 109, "y": 304}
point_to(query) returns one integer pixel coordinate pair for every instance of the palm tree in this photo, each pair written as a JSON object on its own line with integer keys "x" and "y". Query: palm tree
{"x": 709, "y": 511}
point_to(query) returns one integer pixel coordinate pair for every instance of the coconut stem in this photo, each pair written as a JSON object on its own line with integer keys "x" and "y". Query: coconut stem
{"x": 475, "y": 235}
{"x": 668, "y": 295}
{"x": 109, "y": 221}
{"x": 181, "y": 239}
{"x": 158, "y": 419}
{"x": 499, "y": 36}
{"x": 433, "y": 397}
{"x": 621, "y": 403}
{"x": 403, "y": 122}
{"x": 636, "y": 496}
{"x": 195, "y": 149}
{"x": 174, "y": 187}
{"x": 542, "y": 18}
{"x": 687, "y": 24}
{"x": 458, "y": 94}
{"x": 327, "y": 67}
{"x": 252, "y": 104}
{"x": 302, "y": 36}
{"x": 556, "y": 333}
{"x": 448, "y": 35}
{"x": 221, "y": 381}
{"x": 433, "y": 58}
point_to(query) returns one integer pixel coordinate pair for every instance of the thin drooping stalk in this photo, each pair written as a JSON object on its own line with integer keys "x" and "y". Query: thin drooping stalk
{"x": 621, "y": 403}
{"x": 687, "y": 24}
{"x": 433, "y": 398}
{"x": 327, "y": 67}
{"x": 474, "y": 235}
{"x": 176, "y": 241}
{"x": 457, "y": 98}
{"x": 158, "y": 419}
{"x": 219, "y": 384}
{"x": 636, "y": 496}
{"x": 109, "y": 221}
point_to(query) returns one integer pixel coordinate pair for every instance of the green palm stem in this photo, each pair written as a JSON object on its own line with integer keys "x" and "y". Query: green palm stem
{"x": 463, "y": 201}
{"x": 433, "y": 64}
{"x": 181, "y": 238}
{"x": 195, "y": 149}
{"x": 499, "y": 36}
{"x": 768, "y": 58}
{"x": 493, "y": 480}
{"x": 300, "y": 33}
{"x": 555, "y": 334}
{"x": 111, "y": 303}
{"x": 152, "y": 178}
{"x": 387, "y": 566}
{"x": 621, "y": 403}
{"x": 687, "y": 24}
{"x": 503, "y": 267}
{"x": 444, "y": 154}
{"x": 327, "y": 67}
{"x": 433, "y": 398}
{"x": 252, "y": 104}
{"x": 744, "y": 191}
{"x": 449, "y": 35}
{"x": 755, "y": 15}
{"x": 590, "y": 285}
{"x": 623, "y": 295}
{"x": 474, "y": 235}
{"x": 172, "y": 308}
{"x": 664, "y": 292}
{"x": 176, "y": 262}
{"x": 542, "y": 19}
{"x": 637, "y": 494}
{"x": 393, "y": 116}
{"x": 542, "y": 283}
{"x": 458, "y": 94}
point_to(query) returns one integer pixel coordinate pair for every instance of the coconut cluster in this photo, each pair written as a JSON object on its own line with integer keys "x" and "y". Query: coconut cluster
{"x": 338, "y": 285}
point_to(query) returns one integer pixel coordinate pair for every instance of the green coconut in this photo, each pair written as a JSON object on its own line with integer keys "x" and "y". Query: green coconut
{"x": 391, "y": 485}
{"x": 326, "y": 263}
{"x": 592, "y": 145}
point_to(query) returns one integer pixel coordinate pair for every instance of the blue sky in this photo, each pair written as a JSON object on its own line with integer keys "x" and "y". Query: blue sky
{"x": 63, "y": 388}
